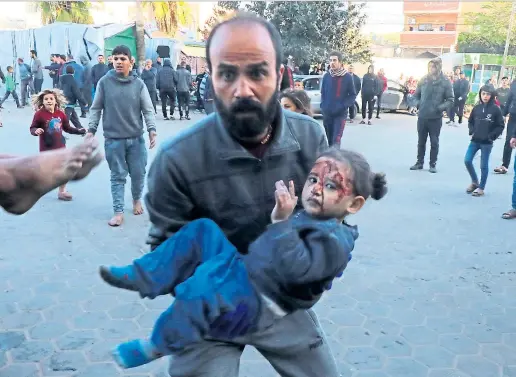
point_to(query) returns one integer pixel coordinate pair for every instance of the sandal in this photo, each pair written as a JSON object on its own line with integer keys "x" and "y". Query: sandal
{"x": 471, "y": 188}
{"x": 509, "y": 215}
{"x": 64, "y": 196}
{"x": 501, "y": 170}
{"x": 478, "y": 192}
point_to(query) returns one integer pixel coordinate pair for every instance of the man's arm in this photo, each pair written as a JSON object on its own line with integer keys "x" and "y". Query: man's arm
{"x": 147, "y": 109}
{"x": 510, "y": 98}
{"x": 417, "y": 94}
{"x": 96, "y": 109}
{"x": 498, "y": 124}
{"x": 167, "y": 200}
{"x": 448, "y": 97}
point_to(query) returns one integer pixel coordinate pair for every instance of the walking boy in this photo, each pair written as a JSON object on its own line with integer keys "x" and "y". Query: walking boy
{"x": 486, "y": 124}
{"x": 10, "y": 87}
{"x": 73, "y": 94}
{"x": 121, "y": 100}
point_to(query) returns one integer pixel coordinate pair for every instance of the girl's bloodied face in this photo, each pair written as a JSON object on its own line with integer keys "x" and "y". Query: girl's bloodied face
{"x": 328, "y": 191}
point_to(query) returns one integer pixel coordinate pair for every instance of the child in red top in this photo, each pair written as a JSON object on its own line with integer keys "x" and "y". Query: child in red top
{"x": 49, "y": 122}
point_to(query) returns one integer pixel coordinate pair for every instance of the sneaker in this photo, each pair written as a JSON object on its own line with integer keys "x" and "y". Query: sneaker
{"x": 165, "y": 118}
{"x": 378, "y": 117}
{"x": 448, "y": 122}
{"x": 187, "y": 117}
{"x": 432, "y": 169}
{"x": 362, "y": 122}
{"x": 172, "y": 117}
{"x": 369, "y": 123}
{"x": 350, "y": 121}
{"x": 417, "y": 166}
{"x": 181, "y": 118}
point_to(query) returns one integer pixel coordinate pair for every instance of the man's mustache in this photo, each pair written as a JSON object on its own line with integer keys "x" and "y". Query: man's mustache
{"x": 246, "y": 105}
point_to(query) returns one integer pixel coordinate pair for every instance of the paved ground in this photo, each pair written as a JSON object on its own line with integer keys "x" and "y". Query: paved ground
{"x": 430, "y": 291}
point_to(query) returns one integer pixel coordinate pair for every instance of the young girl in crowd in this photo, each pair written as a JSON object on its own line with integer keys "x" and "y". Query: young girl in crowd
{"x": 486, "y": 124}
{"x": 49, "y": 122}
{"x": 296, "y": 100}
{"x": 286, "y": 269}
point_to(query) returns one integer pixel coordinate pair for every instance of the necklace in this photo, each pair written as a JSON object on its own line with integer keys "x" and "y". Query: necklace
{"x": 267, "y": 137}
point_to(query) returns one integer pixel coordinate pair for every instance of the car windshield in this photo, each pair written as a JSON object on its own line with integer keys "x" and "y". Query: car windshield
{"x": 312, "y": 83}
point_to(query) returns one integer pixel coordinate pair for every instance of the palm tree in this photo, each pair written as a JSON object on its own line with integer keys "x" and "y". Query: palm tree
{"x": 65, "y": 11}
{"x": 169, "y": 15}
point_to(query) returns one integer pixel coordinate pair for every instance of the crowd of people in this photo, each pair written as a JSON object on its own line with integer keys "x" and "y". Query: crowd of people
{"x": 268, "y": 249}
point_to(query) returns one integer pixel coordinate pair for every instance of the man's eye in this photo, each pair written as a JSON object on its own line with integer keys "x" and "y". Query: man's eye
{"x": 228, "y": 76}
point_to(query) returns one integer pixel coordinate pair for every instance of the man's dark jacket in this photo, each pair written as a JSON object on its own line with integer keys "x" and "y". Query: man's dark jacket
{"x": 166, "y": 78}
{"x": 461, "y": 89}
{"x": 370, "y": 86}
{"x": 194, "y": 177}
{"x": 434, "y": 95}
{"x": 357, "y": 82}
{"x": 97, "y": 72}
{"x": 510, "y": 105}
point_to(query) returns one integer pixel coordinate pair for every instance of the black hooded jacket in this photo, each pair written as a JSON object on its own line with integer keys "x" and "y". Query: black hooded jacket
{"x": 486, "y": 121}
{"x": 370, "y": 84}
{"x": 71, "y": 90}
{"x": 435, "y": 95}
{"x": 166, "y": 78}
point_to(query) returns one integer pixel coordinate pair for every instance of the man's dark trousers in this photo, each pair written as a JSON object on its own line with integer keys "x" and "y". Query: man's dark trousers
{"x": 507, "y": 150}
{"x": 171, "y": 95}
{"x": 457, "y": 108}
{"x": 334, "y": 127}
{"x": 425, "y": 128}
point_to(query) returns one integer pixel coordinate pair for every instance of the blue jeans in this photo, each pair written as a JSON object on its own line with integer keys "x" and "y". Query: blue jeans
{"x": 208, "y": 277}
{"x": 334, "y": 126}
{"x": 126, "y": 156}
{"x": 485, "y": 152}
{"x": 514, "y": 186}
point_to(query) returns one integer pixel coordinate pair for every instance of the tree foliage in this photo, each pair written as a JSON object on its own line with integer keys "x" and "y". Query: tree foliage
{"x": 309, "y": 29}
{"x": 169, "y": 15}
{"x": 488, "y": 30}
{"x": 65, "y": 11}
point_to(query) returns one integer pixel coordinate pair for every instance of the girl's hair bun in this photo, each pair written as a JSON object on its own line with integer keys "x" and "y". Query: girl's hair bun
{"x": 379, "y": 184}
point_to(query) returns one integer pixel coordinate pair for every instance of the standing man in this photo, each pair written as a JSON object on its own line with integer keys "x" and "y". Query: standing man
{"x": 26, "y": 83}
{"x": 207, "y": 94}
{"x": 166, "y": 83}
{"x": 358, "y": 86}
{"x": 149, "y": 78}
{"x": 98, "y": 71}
{"x": 382, "y": 87}
{"x": 287, "y": 80}
{"x": 460, "y": 91}
{"x": 53, "y": 69}
{"x": 370, "y": 87}
{"x": 184, "y": 85}
{"x": 509, "y": 109}
{"x": 232, "y": 182}
{"x": 511, "y": 214}
{"x": 87, "y": 88}
{"x": 37, "y": 71}
{"x": 435, "y": 94}
{"x": 198, "y": 79}
{"x": 337, "y": 95}
{"x": 121, "y": 100}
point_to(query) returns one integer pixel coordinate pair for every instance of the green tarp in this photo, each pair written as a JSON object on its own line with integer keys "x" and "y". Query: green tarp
{"x": 126, "y": 37}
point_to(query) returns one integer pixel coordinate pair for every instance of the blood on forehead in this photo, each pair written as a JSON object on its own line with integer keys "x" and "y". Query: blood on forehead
{"x": 329, "y": 169}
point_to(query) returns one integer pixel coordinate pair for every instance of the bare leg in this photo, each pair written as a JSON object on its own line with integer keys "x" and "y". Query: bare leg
{"x": 64, "y": 195}
{"x": 137, "y": 207}
{"x": 24, "y": 180}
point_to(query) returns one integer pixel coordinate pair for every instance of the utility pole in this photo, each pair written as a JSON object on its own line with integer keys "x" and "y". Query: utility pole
{"x": 508, "y": 39}
{"x": 140, "y": 36}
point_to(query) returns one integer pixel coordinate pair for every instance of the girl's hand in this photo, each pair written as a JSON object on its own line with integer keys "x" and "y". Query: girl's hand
{"x": 39, "y": 131}
{"x": 286, "y": 201}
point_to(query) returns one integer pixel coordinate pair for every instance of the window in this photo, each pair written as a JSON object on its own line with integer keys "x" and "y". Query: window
{"x": 312, "y": 84}
{"x": 425, "y": 27}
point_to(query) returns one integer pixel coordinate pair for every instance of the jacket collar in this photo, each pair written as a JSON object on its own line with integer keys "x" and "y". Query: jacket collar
{"x": 283, "y": 142}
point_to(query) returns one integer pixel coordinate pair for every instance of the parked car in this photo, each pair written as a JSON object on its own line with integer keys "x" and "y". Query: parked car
{"x": 312, "y": 86}
{"x": 395, "y": 97}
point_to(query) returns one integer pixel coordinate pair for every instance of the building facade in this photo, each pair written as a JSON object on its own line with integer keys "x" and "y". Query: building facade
{"x": 433, "y": 26}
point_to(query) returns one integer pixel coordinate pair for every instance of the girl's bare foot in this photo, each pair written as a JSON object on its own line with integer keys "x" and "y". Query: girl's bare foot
{"x": 26, "y": 179}
{"x": 116, "y": 220}
{"x": 137, "y": 207}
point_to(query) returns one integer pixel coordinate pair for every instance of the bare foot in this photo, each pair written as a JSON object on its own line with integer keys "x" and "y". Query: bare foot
{"x": 137, "y": 208}
{"x": 65, "y": 196}
{"x": 116, "y": 220}
{"x": 24, "y": 180}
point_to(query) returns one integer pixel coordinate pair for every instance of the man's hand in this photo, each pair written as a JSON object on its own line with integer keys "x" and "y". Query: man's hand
{"x": 513, "y": 142}
{"x": 152, "y": 139}
{"x": 82, "y": 131}
{"x": 286, "y": 201}
{"x": 39, "y": 131}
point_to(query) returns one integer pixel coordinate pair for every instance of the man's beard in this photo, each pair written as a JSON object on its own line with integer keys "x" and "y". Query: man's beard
{"x": 247, "y": 119}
